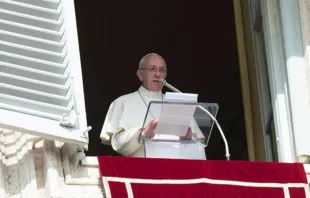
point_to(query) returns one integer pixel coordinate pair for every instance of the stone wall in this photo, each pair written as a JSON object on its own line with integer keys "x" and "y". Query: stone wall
{"x": 33, "y": 167}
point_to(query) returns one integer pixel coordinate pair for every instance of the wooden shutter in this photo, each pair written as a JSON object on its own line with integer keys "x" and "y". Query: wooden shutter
{"x": 40, "y": 70}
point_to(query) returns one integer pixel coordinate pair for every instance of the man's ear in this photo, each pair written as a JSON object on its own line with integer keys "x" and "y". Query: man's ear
{"x": 140, "y": 74}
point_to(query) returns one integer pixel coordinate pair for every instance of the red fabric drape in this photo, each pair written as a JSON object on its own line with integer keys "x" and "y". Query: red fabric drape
{"x": 241, "y": 179}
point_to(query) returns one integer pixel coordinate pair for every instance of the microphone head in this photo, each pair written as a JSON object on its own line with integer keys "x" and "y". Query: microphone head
{"x": 162, "y": 81}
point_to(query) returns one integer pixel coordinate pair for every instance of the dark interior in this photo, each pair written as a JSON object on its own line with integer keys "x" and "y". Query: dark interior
{"x": 197, "y": 40}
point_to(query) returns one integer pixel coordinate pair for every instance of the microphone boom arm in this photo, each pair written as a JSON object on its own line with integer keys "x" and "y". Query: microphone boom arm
{"x": 164, "y": 82}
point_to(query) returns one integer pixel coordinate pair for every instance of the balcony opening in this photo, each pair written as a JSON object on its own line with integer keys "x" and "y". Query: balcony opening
{"x": 198, "y": 42}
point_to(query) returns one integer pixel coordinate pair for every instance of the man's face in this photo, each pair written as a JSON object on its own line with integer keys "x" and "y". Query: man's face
{"x": 153, "y": 69}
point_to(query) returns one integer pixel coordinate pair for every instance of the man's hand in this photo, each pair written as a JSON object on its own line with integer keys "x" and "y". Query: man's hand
{"x": 149, "y": 130}
{"x": 188, "y": 135}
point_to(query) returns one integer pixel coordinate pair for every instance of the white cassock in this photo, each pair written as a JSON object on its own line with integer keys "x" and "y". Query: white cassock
{"x": 124, "y": 120}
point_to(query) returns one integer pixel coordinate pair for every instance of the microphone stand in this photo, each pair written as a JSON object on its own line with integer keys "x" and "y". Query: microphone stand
{"x": 165, "y": 83}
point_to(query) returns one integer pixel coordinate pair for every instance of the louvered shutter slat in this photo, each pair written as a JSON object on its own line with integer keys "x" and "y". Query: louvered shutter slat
{"x": 31, "y": 41}
{"x": 32, "y": 63}
{"x": 33, "y": 73}
{"x": 52, "y": 4}
{"x": 13, "y": 109}
{"x": 27, "y": 111}
{"x": 38, "y": 63}
{"x": 34, "y": 105}
{"x": 34, "y": 95}
{"x": 29, "y": 20}
{"x": 28, "y": 9}
{"x": 30, "y": 30}
{"x": 32, "y": 52}
{"x": 34, "y": 84}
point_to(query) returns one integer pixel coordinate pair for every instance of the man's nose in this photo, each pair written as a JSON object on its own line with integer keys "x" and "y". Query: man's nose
{"x": 157, "y": 73}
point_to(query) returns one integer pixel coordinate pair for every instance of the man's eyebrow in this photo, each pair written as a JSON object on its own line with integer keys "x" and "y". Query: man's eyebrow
{"x": 159, "y": 66}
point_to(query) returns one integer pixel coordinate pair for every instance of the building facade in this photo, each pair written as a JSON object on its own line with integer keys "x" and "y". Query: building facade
{"x": 42, "y": 112}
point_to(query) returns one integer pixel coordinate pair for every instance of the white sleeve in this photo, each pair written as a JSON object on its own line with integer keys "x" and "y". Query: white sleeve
{"x": 123, "y": 141}
{"x": 110, "y": 125}
{"x": 126, "y": 142}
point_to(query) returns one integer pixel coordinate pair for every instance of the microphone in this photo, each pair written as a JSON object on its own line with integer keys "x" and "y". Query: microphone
{"x": 165, "y": 83}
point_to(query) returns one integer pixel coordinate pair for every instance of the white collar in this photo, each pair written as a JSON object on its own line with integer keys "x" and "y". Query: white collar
{"x": 143, "y": 91}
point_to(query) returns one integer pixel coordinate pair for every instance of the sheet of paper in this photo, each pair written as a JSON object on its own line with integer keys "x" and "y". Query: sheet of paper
{"x": 181, "y": 97}
{"x": 175, "y": 119}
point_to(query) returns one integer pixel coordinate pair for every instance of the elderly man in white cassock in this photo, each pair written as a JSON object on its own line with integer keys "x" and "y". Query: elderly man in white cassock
{"x": 122, "y": 127}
